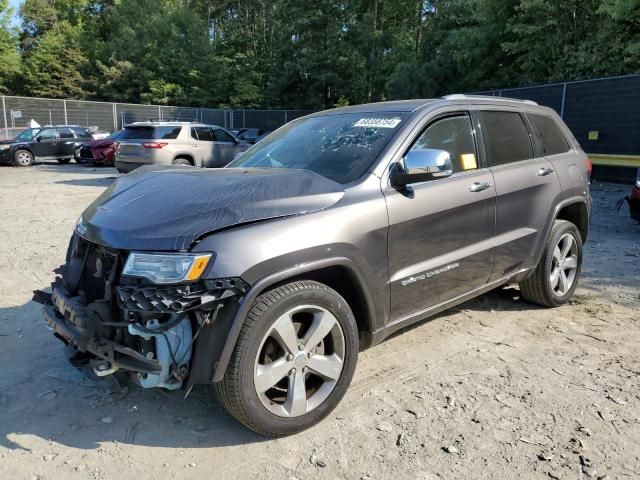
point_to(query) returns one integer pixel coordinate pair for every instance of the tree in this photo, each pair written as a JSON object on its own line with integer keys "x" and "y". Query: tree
{"x": 9, "y": 56}
{"x": 53, "y": 69}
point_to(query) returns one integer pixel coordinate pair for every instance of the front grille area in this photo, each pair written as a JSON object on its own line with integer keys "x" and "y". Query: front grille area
{"x": 98, "y": 269}
{"x": 85, "y": 152}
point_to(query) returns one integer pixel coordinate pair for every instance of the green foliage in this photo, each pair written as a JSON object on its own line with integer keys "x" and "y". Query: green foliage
{"x": 311, "y": 53}
{"x": 9, "y": 57}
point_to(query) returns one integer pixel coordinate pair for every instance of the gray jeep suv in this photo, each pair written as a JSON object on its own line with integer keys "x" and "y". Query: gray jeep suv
{"x": 175, "y": 143}
{"x": 266, "y": 278}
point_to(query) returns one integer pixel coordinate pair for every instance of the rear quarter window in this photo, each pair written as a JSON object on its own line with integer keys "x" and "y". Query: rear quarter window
{"x": 505, "y": 136}
{"x": 549, "y": 135}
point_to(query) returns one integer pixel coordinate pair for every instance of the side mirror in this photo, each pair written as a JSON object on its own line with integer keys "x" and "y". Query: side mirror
{"x": 421, "y": 166}
{"x": 38, "y": 138}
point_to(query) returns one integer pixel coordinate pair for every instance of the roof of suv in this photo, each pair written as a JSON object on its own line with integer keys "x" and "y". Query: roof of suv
{"x": 170, "y": 124}
{"x": 413, "y": 105}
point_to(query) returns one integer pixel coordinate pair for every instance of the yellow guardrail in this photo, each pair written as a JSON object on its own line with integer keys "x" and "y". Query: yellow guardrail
{"x": 615, "y": 160}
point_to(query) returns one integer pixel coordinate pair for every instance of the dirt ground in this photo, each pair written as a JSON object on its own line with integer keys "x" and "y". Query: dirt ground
{"x": 494, "y": 389}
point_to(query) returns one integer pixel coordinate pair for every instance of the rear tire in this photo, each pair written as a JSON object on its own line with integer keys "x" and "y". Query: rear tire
{"x": 272, "y": 384}
{"x": 555, "y": 278}
{"x": 63, "y": 161}
{"x": 23, "y": 158}
{"x": 182, "y": 161}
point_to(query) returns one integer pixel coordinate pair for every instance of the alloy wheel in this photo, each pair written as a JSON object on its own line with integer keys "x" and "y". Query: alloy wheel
{"x": 24, "y": 159}
{"x": 564, "y": 267}
{"x": 299, "y": 361}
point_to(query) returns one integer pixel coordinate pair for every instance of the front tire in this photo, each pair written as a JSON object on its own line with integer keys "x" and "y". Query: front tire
{"x": 293, "y": 361}
{"x": 556, "y": 277}
{"x": 23, "y": 158}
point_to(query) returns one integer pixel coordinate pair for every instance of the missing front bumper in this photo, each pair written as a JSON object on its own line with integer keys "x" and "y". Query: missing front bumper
{"x": 72, "y": 323}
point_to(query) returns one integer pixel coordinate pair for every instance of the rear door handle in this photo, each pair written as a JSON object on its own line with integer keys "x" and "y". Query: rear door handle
{"x": 479, "y": 186}
{"x": 544, "y": 171}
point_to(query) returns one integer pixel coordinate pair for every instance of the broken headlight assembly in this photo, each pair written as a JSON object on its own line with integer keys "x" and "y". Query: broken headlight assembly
{"x": 165, "y": 268}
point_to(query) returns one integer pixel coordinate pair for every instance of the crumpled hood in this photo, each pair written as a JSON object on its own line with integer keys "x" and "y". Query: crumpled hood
{"x": 169, "y": 208}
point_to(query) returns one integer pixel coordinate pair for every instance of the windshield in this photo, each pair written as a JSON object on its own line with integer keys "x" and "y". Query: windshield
{"x": 340, "y": 147}
{"x": 27, "y": 134}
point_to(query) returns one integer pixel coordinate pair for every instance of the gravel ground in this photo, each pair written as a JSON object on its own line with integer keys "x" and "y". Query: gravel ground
{"x": 495, "y": 388}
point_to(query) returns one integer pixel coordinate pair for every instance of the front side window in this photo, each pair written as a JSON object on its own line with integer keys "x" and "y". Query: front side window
{"x": 505, "y": 136}
{"x": 48, "y": 134}
{"x": 222, "y": 136}
{"x": 454, "y": 135}
{"x": 548, "y": 134}
{"x": 340, "y": 147}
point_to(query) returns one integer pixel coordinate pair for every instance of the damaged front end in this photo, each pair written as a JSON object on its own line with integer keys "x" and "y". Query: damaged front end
{"x": 162, "y": 335}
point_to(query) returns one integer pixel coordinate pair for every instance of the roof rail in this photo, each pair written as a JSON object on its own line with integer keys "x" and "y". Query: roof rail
{"x": 462, "y": 96}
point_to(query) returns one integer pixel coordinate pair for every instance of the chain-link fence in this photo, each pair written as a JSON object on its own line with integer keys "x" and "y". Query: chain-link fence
{"x": 603, "y": 114}
{"x": 21, "y": 112}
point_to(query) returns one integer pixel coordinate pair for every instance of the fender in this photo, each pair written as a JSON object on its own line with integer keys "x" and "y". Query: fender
{"x": 552, "y": 218}
{"x": 264, "y": 283}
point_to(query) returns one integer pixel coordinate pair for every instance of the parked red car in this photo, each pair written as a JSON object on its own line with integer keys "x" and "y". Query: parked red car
{"x": 99, "y": 152}
{"x": 634, "y": 199}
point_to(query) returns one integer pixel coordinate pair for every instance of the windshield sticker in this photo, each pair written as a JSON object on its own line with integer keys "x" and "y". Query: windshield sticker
{"x": 378, "y": 122}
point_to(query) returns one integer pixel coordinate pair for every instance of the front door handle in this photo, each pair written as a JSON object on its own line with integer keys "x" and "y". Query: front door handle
{"x": 479, "y": 186}
{"x": 544, "y": 171}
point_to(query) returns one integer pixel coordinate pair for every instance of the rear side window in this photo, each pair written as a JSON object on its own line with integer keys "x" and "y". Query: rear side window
{"x": 506, "y": 137}
{"x": 548, "y": 134}
{"x": 151, "y": 133}
{"x": 66, "y": 133}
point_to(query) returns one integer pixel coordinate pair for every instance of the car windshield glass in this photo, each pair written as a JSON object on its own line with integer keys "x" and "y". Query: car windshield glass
{"x": 115, "y": 135}
{"x": 340, "y": 147}
{"x": 27, "y": 134}
{"x": 151, "y": 133}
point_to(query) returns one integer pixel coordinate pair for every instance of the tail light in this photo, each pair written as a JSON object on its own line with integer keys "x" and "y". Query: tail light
{"x": 589, "y": 166}
{"x": 154, "y": 144}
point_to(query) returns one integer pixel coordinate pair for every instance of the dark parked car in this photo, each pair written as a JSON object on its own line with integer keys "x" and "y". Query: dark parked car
{"x": 267, "y": 277}
{"x": 100, "y": 152}
{"x": 252, "y": 135}
{"x": 59, "y": 143}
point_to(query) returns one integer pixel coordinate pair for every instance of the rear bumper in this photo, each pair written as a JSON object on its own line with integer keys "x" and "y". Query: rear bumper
{"x": 71, "y": 322}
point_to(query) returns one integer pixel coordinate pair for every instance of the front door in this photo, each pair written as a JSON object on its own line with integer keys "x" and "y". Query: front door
{"x": 226, "y": 147}
{"x": 46, "y": 144}
{"x": 441, "y": 231}
{"x": 202, "y": 142}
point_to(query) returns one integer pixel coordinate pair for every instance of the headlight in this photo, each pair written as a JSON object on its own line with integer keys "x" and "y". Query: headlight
{"x": 166, "y": 267}
{"x": 5, "y": 147}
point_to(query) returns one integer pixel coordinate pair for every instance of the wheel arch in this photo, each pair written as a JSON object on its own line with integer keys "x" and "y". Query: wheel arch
{"x": 185, "y": 156}
{"x": 340, "y": 274}
{"x": 575, "y": 210}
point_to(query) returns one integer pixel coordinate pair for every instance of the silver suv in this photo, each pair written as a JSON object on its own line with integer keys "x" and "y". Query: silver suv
{"x": 267, "y": 277}
{"x": 176, "y": 143}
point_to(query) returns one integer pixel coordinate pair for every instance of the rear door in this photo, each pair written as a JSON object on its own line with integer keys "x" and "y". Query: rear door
{"x": 441, "y": 231}
{"x": 225, "y": 147}
{"x": 526, "y": 187}
{"x": 46, "y": 144}
{"x": 67, "y": 142}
